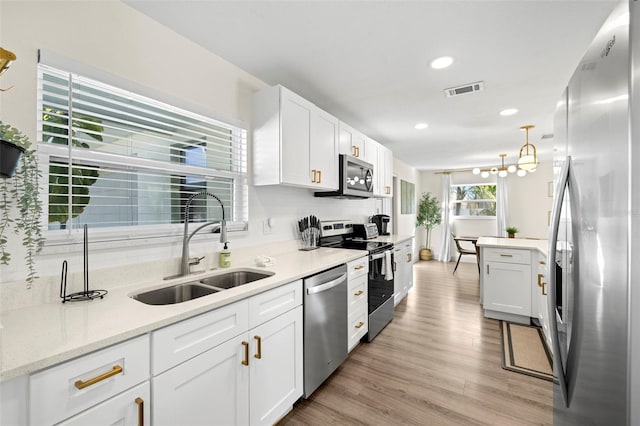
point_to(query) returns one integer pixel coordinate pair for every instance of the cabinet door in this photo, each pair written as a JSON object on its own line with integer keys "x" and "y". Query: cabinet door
{"x": 387, "y": 184}
{"x": 275, "y": 363}
{"x": 407, "y": 254}
{"x": 210, "y": 389}
{"x": 507, "y": 288}
{"x": 540, "y": 292}
{"x": 295, "y": 127}
{"x": 371, "y": 156}
{"x": 399, "y": 279}
{"x": 323, "y": 160}
{"x": 130, "y": 408}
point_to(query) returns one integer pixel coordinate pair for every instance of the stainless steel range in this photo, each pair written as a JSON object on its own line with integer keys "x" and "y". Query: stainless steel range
{"x": 345, "y": 234}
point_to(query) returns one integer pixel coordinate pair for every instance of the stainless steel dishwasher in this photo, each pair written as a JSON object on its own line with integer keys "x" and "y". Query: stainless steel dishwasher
{"x": 325, "y": 325}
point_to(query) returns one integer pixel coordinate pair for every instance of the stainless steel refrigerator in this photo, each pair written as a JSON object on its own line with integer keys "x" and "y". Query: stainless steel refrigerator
{"x": 594, "y": 252}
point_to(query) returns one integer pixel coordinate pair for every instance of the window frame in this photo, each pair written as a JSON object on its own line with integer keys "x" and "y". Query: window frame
{"x": 47, "y": 152}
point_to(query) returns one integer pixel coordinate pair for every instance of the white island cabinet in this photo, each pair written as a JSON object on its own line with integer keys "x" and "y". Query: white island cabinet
{"x": 294, "y": 142}
{"x": 242, "y": 363}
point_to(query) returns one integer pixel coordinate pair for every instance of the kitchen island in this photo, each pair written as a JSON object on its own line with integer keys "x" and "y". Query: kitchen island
{"x": 512, "y": 272}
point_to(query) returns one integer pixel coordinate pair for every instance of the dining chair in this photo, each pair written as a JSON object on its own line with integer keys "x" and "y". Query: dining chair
{"x": 462, "y": 250}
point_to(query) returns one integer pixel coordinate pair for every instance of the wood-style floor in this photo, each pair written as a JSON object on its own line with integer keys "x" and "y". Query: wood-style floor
{"x": 437, "y": 363}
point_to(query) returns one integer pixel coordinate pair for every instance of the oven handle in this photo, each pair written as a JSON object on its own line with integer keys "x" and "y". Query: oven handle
{"x": 328, "y": 285}
{"x": 378, "y": 256}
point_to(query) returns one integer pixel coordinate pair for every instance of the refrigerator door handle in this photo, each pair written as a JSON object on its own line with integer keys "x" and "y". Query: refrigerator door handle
{"x": 551, "y": 275}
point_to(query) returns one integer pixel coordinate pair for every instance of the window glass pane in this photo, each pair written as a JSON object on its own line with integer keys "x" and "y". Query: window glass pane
{"x": 473, "y": 200}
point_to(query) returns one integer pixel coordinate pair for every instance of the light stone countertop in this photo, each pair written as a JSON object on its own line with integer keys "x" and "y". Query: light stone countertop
{"x": 516, "y": 243}
{"x": 395, "y": 239}
{"x": 37, "y": 337}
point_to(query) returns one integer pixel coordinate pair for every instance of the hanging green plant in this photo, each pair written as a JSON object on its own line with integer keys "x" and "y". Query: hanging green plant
{"x": 20, "y": 202}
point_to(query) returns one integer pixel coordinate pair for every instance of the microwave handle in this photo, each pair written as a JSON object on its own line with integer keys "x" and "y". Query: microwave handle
{"x": 368, "y": 177}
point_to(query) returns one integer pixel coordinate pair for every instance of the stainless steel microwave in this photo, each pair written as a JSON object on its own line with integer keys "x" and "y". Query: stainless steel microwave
{"x": 355, "y": 177}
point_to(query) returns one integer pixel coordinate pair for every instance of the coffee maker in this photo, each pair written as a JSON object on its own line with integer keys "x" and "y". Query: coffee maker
{"x": 381, "y": 221}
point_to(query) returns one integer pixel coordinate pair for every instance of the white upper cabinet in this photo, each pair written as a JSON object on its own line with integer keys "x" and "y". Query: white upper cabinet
{"x": 352, "y": 142}
{"x": 294, "y": 142}
{"x": 383, "y": 171}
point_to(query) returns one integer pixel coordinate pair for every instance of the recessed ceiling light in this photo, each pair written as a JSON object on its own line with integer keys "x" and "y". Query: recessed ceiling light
{"x": 508, "y": 111}
{"x": 421, "y": 126}
{"x": 441, "y": 62}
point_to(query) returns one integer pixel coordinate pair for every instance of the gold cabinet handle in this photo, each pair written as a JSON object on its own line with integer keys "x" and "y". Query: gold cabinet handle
{"x": 357, "y": 268}
{"x": 358, "y": 293}
{"x": 353, "y": 150}
{"x": 319, "y": 176}
{"x": 360, "y": 324}
{"x": 245, "y": 361}
{"x": 505, "y": 255}
{"x": 487, "y": 269}
{"x": 542, "y": 262}
{"x": 540, "y": 280}
{"x": 408, "y": 257}
{"x": 116, "y": 370}
{"x": 544, "y": 292}
{"x": 357, "y": 151}
{"x": 313, "y": 179}
{"x": 259, "y": 341}
{"x": 140, "y": 403}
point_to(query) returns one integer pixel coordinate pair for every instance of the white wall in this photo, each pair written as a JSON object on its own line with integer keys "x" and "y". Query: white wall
{"x": 530, "y": 203}
{"x": 121, "y": 42}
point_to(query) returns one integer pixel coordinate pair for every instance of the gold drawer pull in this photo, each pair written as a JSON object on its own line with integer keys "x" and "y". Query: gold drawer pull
{"x": 358, "y": 293}
{"x": 319, "y": 176}
{"x": 313, "y": 179}
{"x": 357, "y": 268}
{"x": 544, "y": 292}
{"x": 140, "y": 403}
{"x": 357, "y": 151}
{"x": 259, "y": 341}
{"x": 540, "y": 280}
{"x": 360, "y": 324}
{"x": 116, "y": 370}
{"x": 353, "y": 150}
{"x": 245, "y": 361}
{"x": 542, "y": 262}
{"x": 506, "y": 255}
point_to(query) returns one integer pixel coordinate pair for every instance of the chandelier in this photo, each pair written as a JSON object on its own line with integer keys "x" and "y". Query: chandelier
{"x": 502, "y": 170}
{"x": 528, "y": 157}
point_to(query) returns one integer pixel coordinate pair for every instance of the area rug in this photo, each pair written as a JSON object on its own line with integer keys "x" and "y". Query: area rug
{"x": 525, "y": 351}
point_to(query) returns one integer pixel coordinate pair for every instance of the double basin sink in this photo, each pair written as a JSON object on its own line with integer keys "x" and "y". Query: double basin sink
{"x": 193, "y": 289}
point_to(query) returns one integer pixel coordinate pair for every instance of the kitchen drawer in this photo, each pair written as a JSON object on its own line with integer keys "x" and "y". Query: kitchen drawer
{"x": 270, "y": 304}
{"x": 54, "y": 394}
{"x": 357, "y": 291}
{"x": 358, "y": 326}
{"x": 125, "y": 409}
{"x": 179, "y": 342}
{"x": 507, "y": 255}
{"x": 358, "y": 267}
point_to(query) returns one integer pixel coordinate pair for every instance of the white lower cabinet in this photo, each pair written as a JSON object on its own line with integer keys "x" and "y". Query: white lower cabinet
{"x": 210, "y": 389}
{"x": 403, "y": 267}
{"x": 252, "y": 378}
{"x": 357, "y": 304}
{"x": 93, "y": 385}
{"x": 275, "y": 367}
{"x": 507, "y": 284}
{"x": 130, "y": 408}
{"x": 539, "y": 293}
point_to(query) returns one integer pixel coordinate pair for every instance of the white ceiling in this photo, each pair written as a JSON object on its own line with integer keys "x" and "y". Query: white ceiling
{"x": 367, "y": 62}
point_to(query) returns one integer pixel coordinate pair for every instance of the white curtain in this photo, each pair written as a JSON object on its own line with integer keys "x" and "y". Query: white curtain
{"x": 445, "y": 255}
{"x": 502, "y": 206}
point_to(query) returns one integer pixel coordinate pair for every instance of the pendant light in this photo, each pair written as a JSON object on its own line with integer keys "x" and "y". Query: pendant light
{"x": 528, "y": 157}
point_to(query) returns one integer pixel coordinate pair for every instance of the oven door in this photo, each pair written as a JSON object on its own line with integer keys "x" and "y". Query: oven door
{"x": 380, "y": 279}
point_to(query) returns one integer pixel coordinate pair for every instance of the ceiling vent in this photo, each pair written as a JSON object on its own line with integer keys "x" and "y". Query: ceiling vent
{"x": 463, "y": 90}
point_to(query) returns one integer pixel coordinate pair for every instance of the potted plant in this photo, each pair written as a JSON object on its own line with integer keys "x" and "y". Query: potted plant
{"x": 511, "y": 231}
{"x": 428, "y": 216}
{"x": 20, "y": 203}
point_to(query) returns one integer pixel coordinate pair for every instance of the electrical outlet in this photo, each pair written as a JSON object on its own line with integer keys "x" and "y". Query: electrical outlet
{"x": 266, "y": 227}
